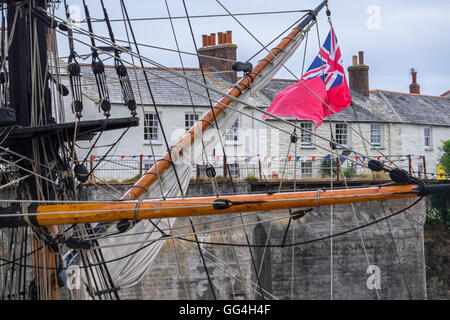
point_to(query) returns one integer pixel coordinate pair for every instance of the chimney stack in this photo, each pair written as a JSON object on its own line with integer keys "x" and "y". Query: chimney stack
{"x": 414, "y": 87}
{"x": 224, "y": 49}
{"x": 359, "y": 75}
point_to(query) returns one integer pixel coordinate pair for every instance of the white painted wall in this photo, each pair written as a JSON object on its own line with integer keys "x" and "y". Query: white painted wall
{"x": 256, "y": 138}
{"x": 413, "y": 142}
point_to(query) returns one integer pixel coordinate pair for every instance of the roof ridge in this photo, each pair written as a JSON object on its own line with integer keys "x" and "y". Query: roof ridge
{"x": 151, "y": 68}
{"x": 408, "y": 94}
{"x": 445, "y": 94}
{"x": 285, "y": 80}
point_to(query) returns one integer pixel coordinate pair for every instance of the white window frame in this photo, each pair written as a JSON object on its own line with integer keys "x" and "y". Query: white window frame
{"x": 234, "y": 170}
{"x": 420, "y": 170}
{"x": 347, "y": 134}
{"x": 195, "y": 116}
{"x": 309, "y": 126}
{"x": 306, "y": 169}
{"x": 429, "y": 138}
{"x": 380, "y": 134}
{"x": 158, "y": 129}
{"x": 232, "y": 135}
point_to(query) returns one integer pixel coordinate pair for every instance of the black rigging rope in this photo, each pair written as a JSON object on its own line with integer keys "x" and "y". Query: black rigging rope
{"x": 121, "y": 70}
{"x": 245, "y": 245}
{"x": 221, "y": 142}
{"x": 74, "y": 69}
{"x": 152, "y": 97}
{"x": 98, "y": 69}
{"x": 308, "y": 241}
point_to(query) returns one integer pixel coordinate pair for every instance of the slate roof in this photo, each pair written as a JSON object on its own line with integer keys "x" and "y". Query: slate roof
{"x": 167, "y": 88}
{"x": 380, "y": 106}
{"x": 384, "y": 106}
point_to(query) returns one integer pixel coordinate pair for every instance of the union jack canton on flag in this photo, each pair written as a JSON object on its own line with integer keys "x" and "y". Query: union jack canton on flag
{"x": 329, "y": 66}
{"x": 324, "y": 81}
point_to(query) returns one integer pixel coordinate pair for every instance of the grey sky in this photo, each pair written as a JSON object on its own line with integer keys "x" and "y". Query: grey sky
{"x": 411, "y": 33}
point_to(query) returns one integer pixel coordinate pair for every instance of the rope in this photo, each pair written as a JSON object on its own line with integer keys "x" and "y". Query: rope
{"x": 237, "y": 100}
{"x": 153, "y": 99}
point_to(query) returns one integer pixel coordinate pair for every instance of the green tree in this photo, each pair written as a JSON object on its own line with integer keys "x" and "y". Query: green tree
{"x": 445, "y": 159}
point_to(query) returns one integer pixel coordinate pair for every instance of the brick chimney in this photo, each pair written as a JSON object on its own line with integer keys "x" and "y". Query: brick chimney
{"x": 224, "y": 49}
{"x": 414, "y": 87}
{"x": 359, "y": 75}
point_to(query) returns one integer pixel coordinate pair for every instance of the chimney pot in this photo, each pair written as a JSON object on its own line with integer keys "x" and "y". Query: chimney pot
{"x": 361, "y": 57}
{"x": 225, "y": 51}
{"x": 204, "y": 40}
{"x": 213, "y": 39}
{"x": 414, "y": 87}
{"x": 228, "y": 37}
{"x": 358, "y": 76}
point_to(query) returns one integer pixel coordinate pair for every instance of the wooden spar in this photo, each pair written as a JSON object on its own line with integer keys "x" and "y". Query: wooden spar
{"x": 208, "y": 119}
{"x": 200, "y": 206}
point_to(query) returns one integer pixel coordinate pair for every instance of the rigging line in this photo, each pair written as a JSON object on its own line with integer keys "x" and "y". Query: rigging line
{"x": 313, "y": 240}
{"x": 200, "y": 16}
{"x": 204, "y": 155}
{"x": 265, "y": 249}
{"x": 244, "y": 279}
{"x": 107, "y": 184}
{"x": 178, "y": 262}
{"x": 140, "y": 44}
{"x": 99, "y": 71}
{"x": 397, "y": 254}
{"x": 292, "y": 264}
{"x": 231, "y": 97}
{"x": 346, "y": 184}
{"x": 169, "y": 150}
{"x": 286, "y": 160}
{"x": 218, "y": 265}
{"x": 221, "y": 142}
{"x": 222, "y": 223}
{"x": 94, "y": 145}
{"x": 29, "y": 171}
{"x": 298, "y": 243}
{"x": 352, "y": 205}
{"x": 203, "y": 259}
{"x": 299, "y": 80}
{"x": 221, "y": 219}
{"x": 277, "y": 37}
{"x": 208, "y": 93}
{"x": 7, "y": 134}
{"x": 221, "y": 93}
{"x": 149, "y": 138}
{"x": 109, "y": 150}
{"x": 331, "y": 168}
{"x": 14, "y": 182}
{"x": 359, "y": 231}
{"x": 103, "y": 268}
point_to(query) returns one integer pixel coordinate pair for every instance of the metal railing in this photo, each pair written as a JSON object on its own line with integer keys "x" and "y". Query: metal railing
{"x": 127, "y": 169}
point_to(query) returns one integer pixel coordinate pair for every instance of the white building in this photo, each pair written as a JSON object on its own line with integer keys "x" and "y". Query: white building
{"x": 402, "y": 128}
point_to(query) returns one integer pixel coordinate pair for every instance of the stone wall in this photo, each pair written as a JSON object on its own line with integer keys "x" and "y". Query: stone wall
{"x": 300, "y": 272}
